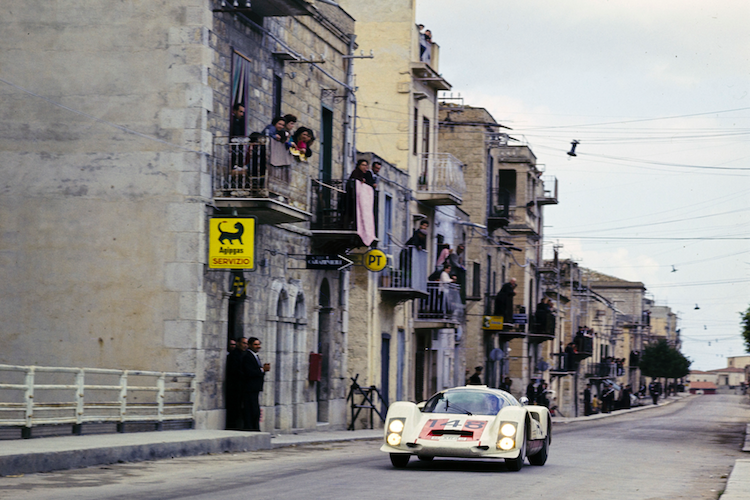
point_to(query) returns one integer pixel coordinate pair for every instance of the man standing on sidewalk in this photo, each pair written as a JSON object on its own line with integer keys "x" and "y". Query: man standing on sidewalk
{"x": 587, "y": 400}
{"x": 252, "y": 374}
{"x": 654, "y": 388}
{"x": 234, "y": 384}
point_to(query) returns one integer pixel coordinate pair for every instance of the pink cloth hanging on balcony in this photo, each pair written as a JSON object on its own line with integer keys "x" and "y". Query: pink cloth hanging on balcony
{"x": 365, "y": 215}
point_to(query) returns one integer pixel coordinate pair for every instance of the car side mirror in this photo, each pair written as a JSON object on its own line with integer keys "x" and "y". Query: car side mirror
{"x": 421, "y": 405}
{"x": 524, "y": 400}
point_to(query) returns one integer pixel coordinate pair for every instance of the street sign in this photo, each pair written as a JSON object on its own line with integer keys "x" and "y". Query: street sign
{"x": 492, "y": 323}
{"x": 374, "y": 260}
{"x": 231, "y": 243}
{"x": 323, "y": 262}
{"x": 520, "y": 319}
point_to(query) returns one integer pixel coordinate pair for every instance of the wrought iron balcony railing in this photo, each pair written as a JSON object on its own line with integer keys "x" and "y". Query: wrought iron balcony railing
{"x": 442, "y": 304}
{"x": 441, "y": 173}
{"x": 241, "y": 170}
{"x": 405, "y": 272}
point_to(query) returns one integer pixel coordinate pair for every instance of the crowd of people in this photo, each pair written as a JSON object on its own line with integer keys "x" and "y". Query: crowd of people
{"x": 286, "y": 142}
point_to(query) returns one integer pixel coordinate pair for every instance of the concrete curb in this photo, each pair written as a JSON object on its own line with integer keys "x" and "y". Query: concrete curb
{"x": 51, "y": 454}
{"x": 738, "y": 484}
{"x": 598, "y": 416}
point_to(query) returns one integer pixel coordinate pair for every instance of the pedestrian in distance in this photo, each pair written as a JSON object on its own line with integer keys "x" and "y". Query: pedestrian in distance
{"x": 476, "y": 378}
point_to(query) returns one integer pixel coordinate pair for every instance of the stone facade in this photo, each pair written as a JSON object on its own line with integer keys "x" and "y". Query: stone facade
{"x": 110, "y": 116}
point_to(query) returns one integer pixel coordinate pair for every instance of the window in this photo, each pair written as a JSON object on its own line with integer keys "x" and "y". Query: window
{"x": 506, "y": 181}
{"x": 465, "y": 402}
{"x": 241, "y": 70}
{"x": 415, "y": 127}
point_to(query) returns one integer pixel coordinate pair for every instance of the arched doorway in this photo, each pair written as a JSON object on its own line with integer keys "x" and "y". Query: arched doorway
{"x": 323, "y": 390}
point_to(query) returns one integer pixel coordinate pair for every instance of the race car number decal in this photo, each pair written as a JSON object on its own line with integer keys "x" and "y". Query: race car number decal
{"x": 453, "y": 430}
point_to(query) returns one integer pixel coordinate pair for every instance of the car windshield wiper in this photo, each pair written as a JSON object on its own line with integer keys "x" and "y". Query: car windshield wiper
{"x": 454, "y": 405}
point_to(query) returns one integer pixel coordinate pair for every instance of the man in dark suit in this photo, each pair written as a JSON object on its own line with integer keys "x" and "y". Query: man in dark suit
{"x": 234, "y": 384}
{"x": 252, "y": 379}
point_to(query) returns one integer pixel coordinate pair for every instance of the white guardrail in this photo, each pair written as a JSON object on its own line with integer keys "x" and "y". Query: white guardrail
{"x": 40, "y": 395}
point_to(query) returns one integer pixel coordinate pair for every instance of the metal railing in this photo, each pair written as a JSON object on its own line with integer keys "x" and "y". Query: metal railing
{"x": 41, "y": 395}
{"x": 333, "y": 205}
{"x": 443, "y": 303}
{"x": 442, "y": 173}
{"x": 549, "y": 189}
{"x": 601, "y": 370}
{"x": 407, "y": 271}
{"x": 241, "y": 169}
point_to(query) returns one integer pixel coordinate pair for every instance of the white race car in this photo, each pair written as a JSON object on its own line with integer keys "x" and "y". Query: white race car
{"x": 468, "y": 422}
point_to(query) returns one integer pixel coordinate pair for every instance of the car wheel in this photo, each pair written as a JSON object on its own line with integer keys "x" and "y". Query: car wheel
{"x": 515, "y": 464}
{"x": 541, "y": 457}
{"x": 425, "y": 458}
{"x": 399, "y": 460}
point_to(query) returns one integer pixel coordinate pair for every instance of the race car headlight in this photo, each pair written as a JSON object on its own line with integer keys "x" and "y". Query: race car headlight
{"x": 396, "y": 426}
{"x": 394, "y": 439}
{"x": 506, "y": 444}
{"x": 508, "y": 429}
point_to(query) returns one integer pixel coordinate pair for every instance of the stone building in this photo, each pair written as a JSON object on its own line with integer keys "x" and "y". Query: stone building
{"x": 397, "y": 109}
{"x": 117, "y": 157}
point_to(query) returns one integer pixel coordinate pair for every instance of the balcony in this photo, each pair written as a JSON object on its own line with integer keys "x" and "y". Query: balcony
{"x": 601, "y": 370}
{"x": 244, "y": 181}
{"x": 498, "y": 215}
{"x": 424, "y": 73}
{"x": 334, "y": 219}
{"x": 405, "y": 276}
{"x": 442, "y": 308}
{"x": 549, "y": 191}
{"x": 542, "y": 327}
{"x": 565, "y": 364}
{"x": 441, "y": 181}
{"x": 584, "y": 346}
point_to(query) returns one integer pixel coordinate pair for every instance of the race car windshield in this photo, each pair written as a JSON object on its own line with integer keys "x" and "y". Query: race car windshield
{"x": 468, "y": 402}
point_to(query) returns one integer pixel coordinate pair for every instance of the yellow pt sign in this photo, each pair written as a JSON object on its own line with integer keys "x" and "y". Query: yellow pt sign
{"x": 374, "y": 260}
{"x": 231, "y": 243}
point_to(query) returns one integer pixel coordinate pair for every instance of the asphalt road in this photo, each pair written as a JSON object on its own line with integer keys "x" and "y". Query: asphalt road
{"x": 682, "y": 451}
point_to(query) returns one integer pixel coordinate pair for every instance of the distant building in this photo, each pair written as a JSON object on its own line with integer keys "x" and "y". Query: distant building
{"x": 703, "y": 388}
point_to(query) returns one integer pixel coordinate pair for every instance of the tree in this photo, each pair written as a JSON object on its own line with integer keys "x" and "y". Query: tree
{"x": 745, "y": 321}
{"x": 660, "y": 360}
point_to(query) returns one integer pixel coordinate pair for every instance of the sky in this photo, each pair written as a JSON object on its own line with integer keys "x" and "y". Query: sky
{"x": 658, "y": 95}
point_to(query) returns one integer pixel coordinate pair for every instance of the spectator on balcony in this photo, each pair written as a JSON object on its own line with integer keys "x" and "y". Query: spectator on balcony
{"x": 425, "y": 46}
{"x": 281, "y": 156}
{"x": 301, "y": 143}
{"x": 444, "y": 251}
{"x": 457, "y": 263}
{"x": 419, "y": 238}
{"x": 570, "y": 352}
{"x": 237, "y": 127}
{"x": 372, "y": 175}
{"x": 504, "y": 301}
{"x": 446, "y": 278}
{"x": 360, "y": 171}
{"x": 276, "y": 129}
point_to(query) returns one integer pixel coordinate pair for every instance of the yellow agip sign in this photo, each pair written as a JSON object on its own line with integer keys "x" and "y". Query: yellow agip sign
{"x": 231, "y": 243}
